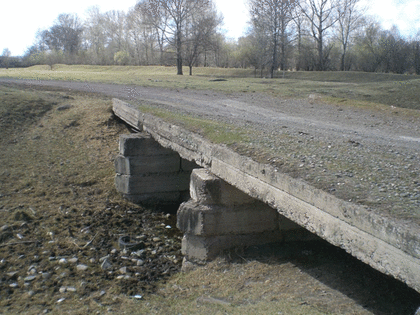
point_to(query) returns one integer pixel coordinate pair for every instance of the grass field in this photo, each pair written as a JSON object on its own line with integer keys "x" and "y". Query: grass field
{"x": 354, "y": 88}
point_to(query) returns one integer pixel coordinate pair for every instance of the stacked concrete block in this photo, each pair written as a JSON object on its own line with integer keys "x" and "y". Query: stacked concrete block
{"x": 149, "y": 174}
{"x": 219, "y": 217}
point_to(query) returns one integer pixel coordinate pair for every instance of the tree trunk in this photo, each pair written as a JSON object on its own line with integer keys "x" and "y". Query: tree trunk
{"x": 179, "y": 52}
{"x": 343, "y": 62}
{"x": 417, "y": 58}
{"x": 320, "y": 53}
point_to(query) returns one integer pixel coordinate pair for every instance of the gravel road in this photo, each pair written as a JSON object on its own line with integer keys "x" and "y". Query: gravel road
{"x": 367, "y": 156}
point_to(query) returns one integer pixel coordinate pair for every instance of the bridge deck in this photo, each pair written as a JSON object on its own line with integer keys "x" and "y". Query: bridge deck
{"x": 388, "y": 245}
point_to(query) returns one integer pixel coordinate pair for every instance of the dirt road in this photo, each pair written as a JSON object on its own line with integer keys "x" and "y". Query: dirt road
{"x": 327, "y": 121}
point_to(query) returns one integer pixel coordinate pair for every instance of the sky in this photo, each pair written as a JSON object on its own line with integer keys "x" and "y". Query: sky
{"x": 20, "y": 21}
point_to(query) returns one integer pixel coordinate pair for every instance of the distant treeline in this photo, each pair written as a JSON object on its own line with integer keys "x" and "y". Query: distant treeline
{"x": 282, "y": 35}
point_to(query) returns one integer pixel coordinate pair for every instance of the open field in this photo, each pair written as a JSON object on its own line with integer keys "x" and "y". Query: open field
{"x": 59, "y": 210}
{"x": 351, "y": 88}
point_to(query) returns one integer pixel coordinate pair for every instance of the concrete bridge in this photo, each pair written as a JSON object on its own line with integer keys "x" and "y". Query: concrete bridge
{"x": 231, "y": 200}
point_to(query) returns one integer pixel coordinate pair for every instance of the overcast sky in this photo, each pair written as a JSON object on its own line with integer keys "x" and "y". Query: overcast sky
{"x": 19, "y": 21}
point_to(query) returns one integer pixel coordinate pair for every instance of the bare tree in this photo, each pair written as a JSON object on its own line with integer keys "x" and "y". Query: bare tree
{"x": 322, "y": 15}
{"x": 349, "y": 17}
{"x": 175, "y": 14}
{"x": 199, "y": 35}
{"x": 416, "y": 51}
{"x": 6, "y": 58}
{"x": 272, "y": 18}
{"x": 94, "y": 36}
{"x": 64, "y": 35}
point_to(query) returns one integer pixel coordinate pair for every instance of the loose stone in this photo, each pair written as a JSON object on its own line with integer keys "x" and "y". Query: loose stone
{"x": 106, "y": 264}
{"x": 123, "y": 270}
{"x": 82, "y": 267}
{"x": 12, "y": 273}
{"x": 45, "y": 275}
{"x": 29, "y": 278}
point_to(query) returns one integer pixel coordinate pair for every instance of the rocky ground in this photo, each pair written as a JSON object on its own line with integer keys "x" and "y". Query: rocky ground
{"x": 64, "y": 232}
{"x": 70, "y": 244}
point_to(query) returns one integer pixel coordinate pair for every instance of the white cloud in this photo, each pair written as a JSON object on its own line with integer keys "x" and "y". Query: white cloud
{"x": 235, "y": 15}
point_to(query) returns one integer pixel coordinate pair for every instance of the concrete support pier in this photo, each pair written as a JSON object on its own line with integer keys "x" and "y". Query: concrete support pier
{"x": 149, "y": 174}
{"x": 219, "y": 217}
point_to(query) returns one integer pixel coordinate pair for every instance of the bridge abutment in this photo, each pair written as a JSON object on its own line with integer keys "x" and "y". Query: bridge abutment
{"x": 220, "y": 217}
{"x": 149, "y": 174}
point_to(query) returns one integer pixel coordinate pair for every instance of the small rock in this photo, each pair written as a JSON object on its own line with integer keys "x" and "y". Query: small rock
{"x": 114, "y": 251}
{"x": 82, "y": 267}
{"x": 71, "y": 289}
{"x": 156, "y": 239}
{"x": 140, "y": 262}
{"x": 5, "y": 228}
{"x": 61, "y": 300}
{"x": 31, "y": 293}
{"x": 123, "y": 270}
{"x": 62, "y": 261}
{"x": 106, "y": 265}
{"x": 29, "y": 278}
{"x": 142, "y": 237}
{"x": 138, "y": 253}
{"x": 46, "y": 275}
{"x": 103, "y": 258}
{"x": 13, "y": 285}
{"x": 73, "y": 260}
{"x": 62, "y": 289}
{"x": 12, "y": 273}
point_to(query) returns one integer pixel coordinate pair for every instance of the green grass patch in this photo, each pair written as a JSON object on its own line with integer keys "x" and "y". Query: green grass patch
{"x": 215, "y": 131}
